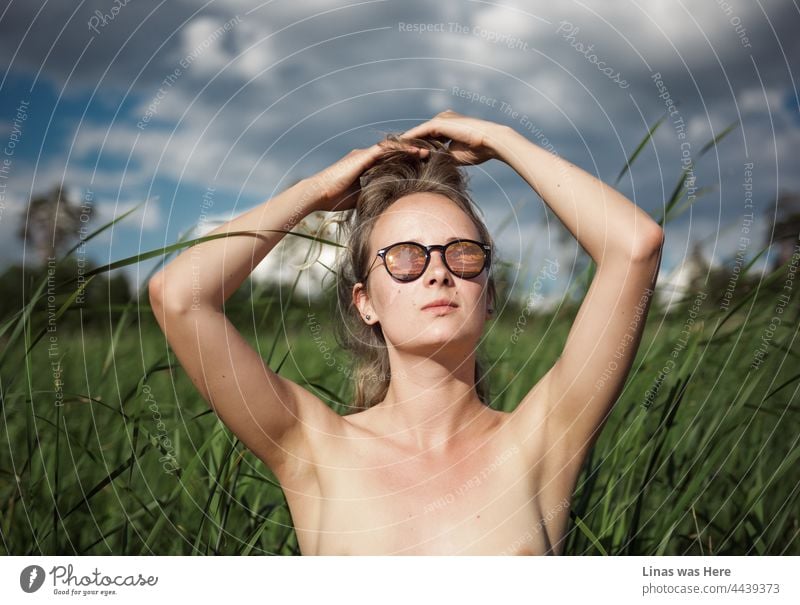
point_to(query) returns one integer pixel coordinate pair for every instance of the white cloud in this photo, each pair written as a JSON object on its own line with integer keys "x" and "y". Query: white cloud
{"x": 187, "y": 153}
{"x": 201, "y": 45}
{"x": 148, "y": 217}
{"x": 699, "y": 127}
{"x": 239, "y": 48}
{"x": 755, "y": 99}
{"x": 253, "y": 50}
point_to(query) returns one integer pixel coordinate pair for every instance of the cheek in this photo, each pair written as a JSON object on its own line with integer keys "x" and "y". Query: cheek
{"x": 393, "y": 297}
{"x": 479, "y": 294}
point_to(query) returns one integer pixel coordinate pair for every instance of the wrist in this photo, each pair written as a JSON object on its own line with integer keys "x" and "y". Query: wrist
{"x": 310, "y": 195}
{"x": 497, "y": 140}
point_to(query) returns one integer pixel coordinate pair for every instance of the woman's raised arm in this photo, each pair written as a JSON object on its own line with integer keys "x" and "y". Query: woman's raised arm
{"x": 567, "y": 408}
{"x": 263, "y": 409}
{"x": 267, "y": 412}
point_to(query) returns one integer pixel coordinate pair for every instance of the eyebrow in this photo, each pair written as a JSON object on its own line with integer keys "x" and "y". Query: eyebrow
{"x": 452, "y": 239}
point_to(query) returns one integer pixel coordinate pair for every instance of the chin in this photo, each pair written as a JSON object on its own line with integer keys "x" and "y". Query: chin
{"x": 439, "y": 338}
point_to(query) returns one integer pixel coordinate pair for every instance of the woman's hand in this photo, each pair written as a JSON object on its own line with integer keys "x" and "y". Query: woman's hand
{"x": 337, "y": 187}
{"x": 471, "y": 139}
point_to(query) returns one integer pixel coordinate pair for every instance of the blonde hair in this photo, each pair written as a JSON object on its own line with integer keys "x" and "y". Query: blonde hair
{"x": 396, "y": 174}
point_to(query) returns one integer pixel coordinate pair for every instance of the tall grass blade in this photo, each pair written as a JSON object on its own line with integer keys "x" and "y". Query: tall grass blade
{"x": 589, "y": 534}
{"x": 138, "y": 258}
{"x": 639, "y": 148}
{"x": 101, "y": 229}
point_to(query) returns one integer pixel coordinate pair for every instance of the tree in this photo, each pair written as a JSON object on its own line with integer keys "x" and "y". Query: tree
{"x": 52, "y": 223}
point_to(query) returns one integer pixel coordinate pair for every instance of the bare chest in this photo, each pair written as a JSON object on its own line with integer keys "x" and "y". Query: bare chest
{"x": 368, "y": 499}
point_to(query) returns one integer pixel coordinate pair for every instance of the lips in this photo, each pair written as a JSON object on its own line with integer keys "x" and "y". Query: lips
{"x": 440, "y": 303}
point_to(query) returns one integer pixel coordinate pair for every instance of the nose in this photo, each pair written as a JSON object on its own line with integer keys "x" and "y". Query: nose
{"x": 437, "y": 270}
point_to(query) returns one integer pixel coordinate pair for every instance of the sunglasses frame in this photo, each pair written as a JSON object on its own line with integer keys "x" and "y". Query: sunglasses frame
{"x": 487, "y": 257}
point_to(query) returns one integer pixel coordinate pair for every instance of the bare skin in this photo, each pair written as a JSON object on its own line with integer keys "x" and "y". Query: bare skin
{"x": 430, "y": 470}
{"x": 482, "y": 497}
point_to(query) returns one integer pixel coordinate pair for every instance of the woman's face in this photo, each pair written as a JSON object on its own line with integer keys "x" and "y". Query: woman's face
{"x": 427, "y": 218}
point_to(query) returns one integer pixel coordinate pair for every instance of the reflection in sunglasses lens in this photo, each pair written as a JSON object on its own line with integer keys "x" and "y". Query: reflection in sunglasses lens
{"x": 406, "y": 262}
{"x": 465, "y": 258}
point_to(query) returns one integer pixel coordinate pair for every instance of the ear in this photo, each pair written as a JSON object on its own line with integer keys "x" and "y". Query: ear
{"x": 362, "y": 303}
{"x": 490, "y": 310}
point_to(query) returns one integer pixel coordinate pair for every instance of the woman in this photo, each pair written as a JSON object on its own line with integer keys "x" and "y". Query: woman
{"x": 423, "y": 466}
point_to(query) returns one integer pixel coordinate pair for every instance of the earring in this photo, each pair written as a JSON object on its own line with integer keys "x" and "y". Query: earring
{"x": 368, "y": 317}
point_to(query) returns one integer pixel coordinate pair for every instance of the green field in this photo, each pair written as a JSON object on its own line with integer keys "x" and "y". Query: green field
{"x": 109, "y": 449}
{"x": 122, "y": 456}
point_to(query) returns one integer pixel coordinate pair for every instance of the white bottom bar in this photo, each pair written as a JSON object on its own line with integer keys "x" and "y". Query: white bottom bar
{"x": 400, "y": 580}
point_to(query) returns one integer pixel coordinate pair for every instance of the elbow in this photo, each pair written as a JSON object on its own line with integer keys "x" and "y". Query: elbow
{"x": 155, "y": 291}
{"x": 175, "y": 300}
{"x": 160, "y": 302}
{"x": 648, "y": 243}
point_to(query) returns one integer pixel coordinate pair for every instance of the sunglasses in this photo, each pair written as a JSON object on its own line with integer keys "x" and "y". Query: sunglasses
{"x": 407, "y": 261}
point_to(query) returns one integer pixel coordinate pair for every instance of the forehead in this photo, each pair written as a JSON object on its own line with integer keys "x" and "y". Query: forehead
{"x": 428, "y": 218}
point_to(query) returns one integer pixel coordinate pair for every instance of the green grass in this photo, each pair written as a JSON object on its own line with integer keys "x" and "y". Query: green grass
{"x": 134, "y": 462}
{"x": 708, "y": 466}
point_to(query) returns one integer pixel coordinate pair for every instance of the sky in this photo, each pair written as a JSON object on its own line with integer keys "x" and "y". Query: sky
{"x": 167, "y": 104}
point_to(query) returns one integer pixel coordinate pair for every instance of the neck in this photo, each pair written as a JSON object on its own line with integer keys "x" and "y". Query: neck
{"x": 431, "y": 403}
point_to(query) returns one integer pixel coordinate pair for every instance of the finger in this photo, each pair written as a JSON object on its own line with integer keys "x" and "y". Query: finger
{"x": 433, "y": 127}
{"x": 417, "y": 132}
{"x": 430, "y": 128}
{"x": 367, "y": 157}
{"x": 436, "y": 131}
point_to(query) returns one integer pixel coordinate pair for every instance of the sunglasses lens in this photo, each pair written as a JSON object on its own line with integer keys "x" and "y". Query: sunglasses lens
{"x": 465, "y": 259}
{"x": 405, "y": 262}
